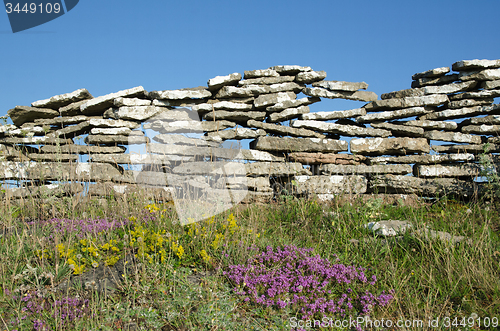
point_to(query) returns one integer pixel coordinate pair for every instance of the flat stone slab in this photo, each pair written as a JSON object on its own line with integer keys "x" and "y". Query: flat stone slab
{"x": 334, "y": 169}
{"x": 408, "y": 102}
{"x": 83, "y": 149}
{"x": 36, "y": 141}
{"x": 256, "y": 90}
{"x": 389, "y": 228}
{"x": 483, "y": 129}
{"x": 138, "y": 113}
{"x": 333, "y": 115}
{"x": 329, "y": 184}
{"x": 291, "y": 70}
{"x": 275, "y": 169}
{"x": 72, "y": 109}
{"x": 52, "y": 190}
{"x": 292, "y": 104}
{"x": 467, "y": 65}
{"x": 110, "y": 123}
{"x": 53, "y": 157}
{"x": 394, "y": 114}
{"x": 469, "y": 103}
{"x": 345, "y": 130}
{"x": 100, "y": 104}
{"x": 429, "y": 234}
{"x": 423, "y": 159}
{"x": 326, "y": 158}
{"x": 434, "y": 81}
{"x": 437, "y": 72}
{"x": 309, "y": 77}
{"x": 211, "y": 126}
{"x": 488, "y": 74}
{"x": 278, "y": 144}
{"x": 453, "y": 137}
{"x": 22, "y": 114}
{"x": 490, "y": 84}
{"x": 132, "y": 159}
{"x": 473, "y": 149}
{"x": 427, "y": 187}
{"x": 61, "y": 121}
{"x": 334, "y": 85}
{"x": 272, "y": 99}
{"x": 62, "y": 100}
{"x": 182, "y": 140}
{"x": 427, "y": 124}
{"x": 400, "y": 130}
{"x": 223, "y": 105}
{"x": 486, "y": 94}
{"x": 113, "y": 131}
{"x": 177, "y": 103}
{"x": 288, "y": 114}
{"x": 389, "y": 146}
{"x": 236, "y": 134}
{"x": 131, "y": 102}
{"x": 453, "y": 170}
{"x": 284, "y": 130}
{"x": 462, "y": 112}
{"x": 115, "y": 139}
{"x": 183, "y": 94}
{"x": 440, "y": 89}
{"x": 220, "y": 81}
{"x": 235, "y": 116}
{"x": 72, "y": 130}
{"x": 324, "y": 93}
{"x": 266, "y": 80}
{"x": 490, "y": 119}
{"x": 260, "y": 73}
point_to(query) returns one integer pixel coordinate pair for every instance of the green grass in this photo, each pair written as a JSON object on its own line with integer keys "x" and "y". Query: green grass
{"x": 186, "y": 290}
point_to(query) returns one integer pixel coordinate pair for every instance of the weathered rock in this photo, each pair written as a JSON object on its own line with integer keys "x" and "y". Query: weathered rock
{"x": 334, "y": 85}
{"x": 454, "y": 170}
{"x": 490, "y": 119}
{"x": 72, "y": 109}
{"x": 284, "y": 130}
{"x": 292, "y": 104}
{"x": 114, "y": 131}
{"x": 61, "y": 121}
{"x": 288, "y": 114}
{"x": 235, "y": 116}
{"x": 53, "y": 157}
{"x": 452, "y": 136}
{"x": 467, "y": 65}
{"x": 236, "y": 134}
{"x": 111, "y": 140}
{"x": 476, "y": 95}
{"x": 423, "y": 187}
{"x": 440, "y": 125}
{"x": 63, "y": 99}
{"x": 131, "y": 102}
{"x": 290, "y": 70}
{"x": 266, "y": 80}
{"x": 329, "y": 185}
{"x": 389, "y": 228}
{"x": 488, "y": 74}
{"x": 474, "y": 149}
{"x": 272, "y": 99}
{"x": 178, "y": 103}
{"x": 490, "y": 84}
{"x": 210, "y": 126}
{"x": 110, "y": 123}
{"x": 16, "y": 153}
{"x": 434, "y": 81}
{"x": 188, "y": 126}
{"x": 182, "y": 94}
{"x": 237, "y": 100}
{"x": 441, "y": 89}
{"x": 469, "y": 103}
{"x": 309, "y": 77}
{"x": 72, "y": 130}
{"x": 100, "y": 104}
{"x": 462, "y": 112}
{"x": 277, "y": 144}
{"x": 182, "y": 140}
{"x": 258, "y": 197}
{"x": 390, "y": 146}
{"x": 422, "y": 159}
{"x": 333, "y": 115}
{"x": 275, "y": 169}
{"x": 493, "y": 140}
{"x": 242, "y": 92}
{"x": 137, "y": 113}
{"x": 426, "y": 100}
{"x": 132, "y": 159}
{"x": 51, "y": 190}
{"x": 22, "y": 114}
{"x": 324, "y": 93}
{"x": 333, "y": 169}
{"x": 223, "y": 105}
{"x": 220, "y": 81}
{"x": 393, "y": 114}
{"x": 483, "y": 129}
{"x": 429, "y": 235}
{"x": 400, "y": 130}
{"x": 82, "y": 149}
{"x": 261, "y": 73}
{"x": 5, "y": 129}
{"x": 28, "y": 131}
{"x": 36, "y": 141}
{"x": 345, "y": 130}
{"x": 437, "y": 72}
{"x": 322, "y": 158}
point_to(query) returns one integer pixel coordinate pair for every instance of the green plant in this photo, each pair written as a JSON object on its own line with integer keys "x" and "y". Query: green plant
{"x": 489, "y": 171}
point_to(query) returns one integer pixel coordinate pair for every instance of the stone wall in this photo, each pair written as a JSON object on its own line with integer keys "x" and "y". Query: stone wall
{"x": 389, "y": 145}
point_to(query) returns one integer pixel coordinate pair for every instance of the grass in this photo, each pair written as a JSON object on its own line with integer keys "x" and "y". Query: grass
{"x": 182, "y": 278}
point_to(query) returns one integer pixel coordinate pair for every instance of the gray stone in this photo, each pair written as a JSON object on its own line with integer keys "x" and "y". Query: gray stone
{"x": 236, "y": 134}
{"x": 132, "y": 159}
{"x": 434, "y": 81}
{"x": 210, "y": 126}
{"x": 137, "y": 113}
{"x": 345, "y": 130}
{"x": 428, "y": 235}
{"x": 51, "y": 190}
{"x": 62, "y": 100}
{"x": 242, "y": 92}
{"x": 22, "y": 114}
{"x": 393, "y": 114}
{"x": 325, "y": 185}
{"x": 400, "y": 130}
{"x": 178, "y": 103}
{"x": 488, "y": 74}
{"x": 437, "y": 72}
{"x": 182, "y": 94}
{"x": 277, "y": 144}
{"x": 422, "y": 159}
{"x": 53, "y": 157}
{"x": 28, "y": 131}
{"x": 220, "y": 81}
{"x": 490, "y": 119}
{"x": 334, "y": 85}
{"x": 426, "y": 100}
{"x": 474, "y": 149}
{"x": 275, "y": 169}
{"x": 490, "y": 84}
{"x": 272, "y": 99}
{"x": 389, "y": 146}
{"x": 453, "y": 170}
{"x": 223, "y": 105}
{"x": 258, "y": 197}
{"x": 309, "y": 77}
{"x": 36, "y": 141}
{"x": 462, "y": 112}
{"x": 114, "y": 131}
{"x": 291, "y": 70}
{"x": 324, "y": 93}
{"x": 288, "y": 114}
{"x": 61, "y": 121}
{"x": 16, "y": 153}
{"x": 333, "y": 115}
{"x": 82, "y": 149}
{"x": 131, "y": 102}
{"x": 467, "y": 65}
{"x": 237, "y": 100}
{"x": 72, "y": 130}
{"x": 440, "y": 125}
{"x": 441, "y": 89}
{"x": 334, "y": 169}
{"x": 328, "y": 158}
{"x": 389, "y": 228}
{"x": 111, "y": 140}
{"x": 453, "y": 137}
{"x": 261, "y": 73}
{"x": 182, "y": 140}
{"x": 423, "y": 187}
{"x": 266, "y": 80}
{"x": 493, "y": 140}
{"x": 476, "y": 95}
{"x": 292, "y": 104}
{"x": 72, "y": 109}
{"x": 469, "y": 103}
{"x": 5, "y": 129}
{"x": 284, "y": 130}
{"x": 189, "y": 126}
{"x": 100, "y": 104}
{"x": 483, "y": 129}
{"x": 236, "y": 116}
{"x": 110, "y": 123}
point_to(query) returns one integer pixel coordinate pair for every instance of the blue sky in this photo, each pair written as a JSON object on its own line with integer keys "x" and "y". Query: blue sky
{"x": 107, "y": 46}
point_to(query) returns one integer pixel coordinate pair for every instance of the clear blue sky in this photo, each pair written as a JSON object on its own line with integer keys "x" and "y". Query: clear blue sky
{"x": 107, "y": 46}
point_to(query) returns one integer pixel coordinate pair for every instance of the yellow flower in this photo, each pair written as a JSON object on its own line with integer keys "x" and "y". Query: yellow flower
{"x": 204, "y": 255}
